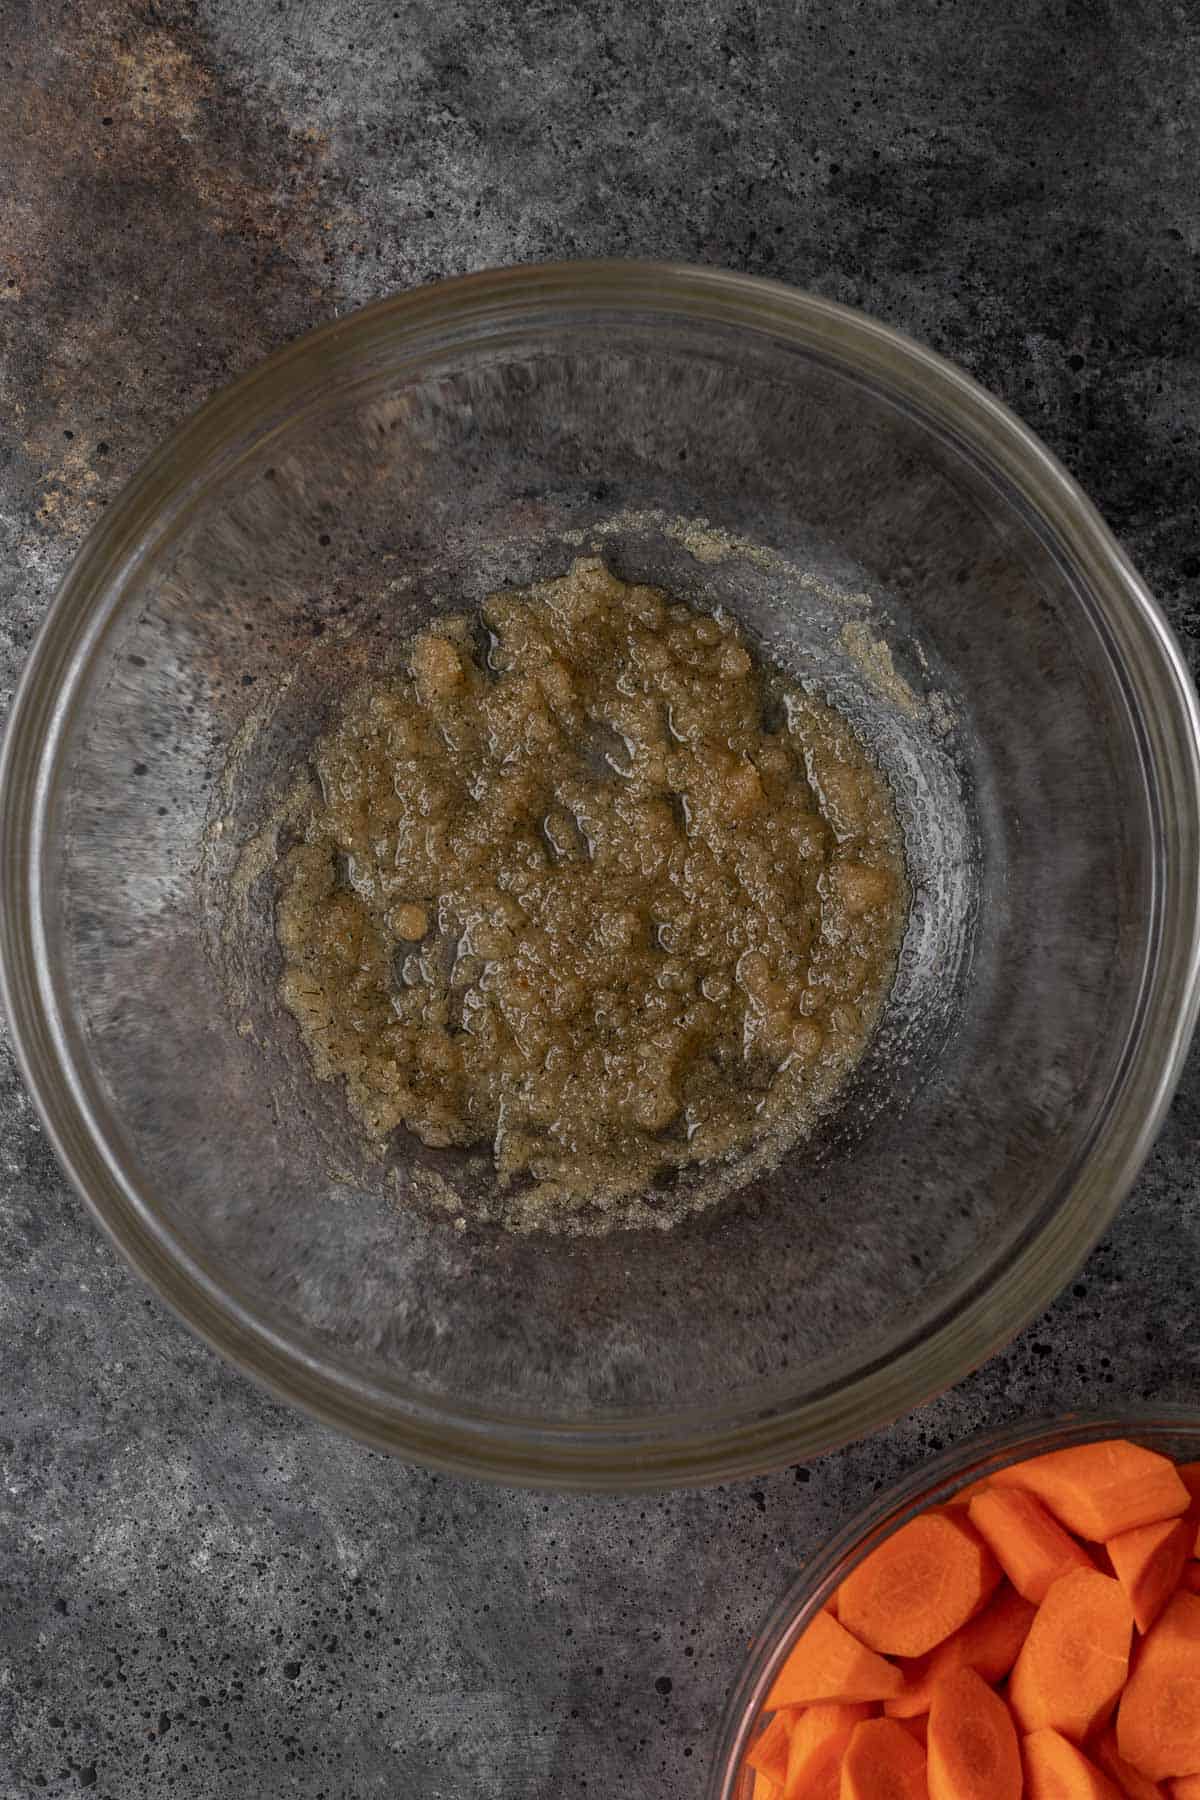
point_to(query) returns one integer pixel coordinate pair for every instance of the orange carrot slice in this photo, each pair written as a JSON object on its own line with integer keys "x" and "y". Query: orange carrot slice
{"x": 819, "y": 1737}
{"x": 921, "y": 1584}
{"x": 817, "y": 1734}
{"x": 883, "y": 1762}
{"x": 1056, "y": 1770}
{"x": 1158, "y": 1723}
{"x": 1149, "y": 1561}
{"x": 1189, "y": 1474}
{"x": 917, "y": 1728}
{"x": 1074, "y": 1662}
{"x": 1099, "y": 1490}
{"x": 1132, "y": 1783}
{"x": 822, "y": 1779}
{"x": 1028, "y": 1542}
{"x": 995, "y": 1583}
{"x": 989, "y": 1644}
{"x": 828, "y": 1664}
{"x": 973, "y": 1751}
{"x": 915, "y": 1697}
{"x": 769, "y": 1751}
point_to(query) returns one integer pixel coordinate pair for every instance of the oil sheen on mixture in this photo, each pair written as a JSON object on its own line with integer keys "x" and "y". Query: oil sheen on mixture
{"x": 590, "y": 885}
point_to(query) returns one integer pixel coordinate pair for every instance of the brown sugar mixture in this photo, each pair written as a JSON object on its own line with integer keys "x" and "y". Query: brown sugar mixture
{"x": 590, "y": 886}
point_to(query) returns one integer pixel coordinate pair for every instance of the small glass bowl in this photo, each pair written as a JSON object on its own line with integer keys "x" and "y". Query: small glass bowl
{"x": 876, "y": 524}
{"x": 1173, "y": 1431}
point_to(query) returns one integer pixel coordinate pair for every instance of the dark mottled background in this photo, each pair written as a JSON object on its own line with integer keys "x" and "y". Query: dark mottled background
{"x": 204, "y": 1595}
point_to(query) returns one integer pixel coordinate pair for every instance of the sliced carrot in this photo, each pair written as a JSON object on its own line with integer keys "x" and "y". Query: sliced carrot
{"x": 815, "y": 1732}
{"x": 989, "y": 1644}
{"x": 1149, "y": 1561}
{"x": 1132, "y": 1783}
{"x": 883, "y": 1762}
{"x": 822, "y": 1779}
{"x": 1189, "y": 1474}
{"x": 1102, "y": 1560}
{"x": 913, "y": 1700}
{"x": 991, "y": 1584}
{"x": 1158, "y": 1724}
{"x": 1073, "y": 1664}
{"x": 828, "y": 1664}
{"x": 1056, "y": 1770}
{"x": 819, "y": 1734}
{"x": 1027, "y": 1541}
{"x": 973, "y": 1751}
{"x": 812, "y": 1724}
{"x": 1099, "y": 1490}
{"x": 921, "y": 1584}
{"x": 769, "y": 1751}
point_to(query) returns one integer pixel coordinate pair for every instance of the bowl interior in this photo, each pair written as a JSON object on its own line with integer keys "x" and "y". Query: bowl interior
{"x": 860, "y": 543}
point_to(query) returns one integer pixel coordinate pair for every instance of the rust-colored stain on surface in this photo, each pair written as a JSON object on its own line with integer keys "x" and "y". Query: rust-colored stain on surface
{"x": 160, "y": 235}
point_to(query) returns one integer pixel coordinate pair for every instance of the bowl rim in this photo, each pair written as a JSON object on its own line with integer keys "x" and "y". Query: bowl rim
{"x": 929, "y": 1483}
{"x": 648, "y": 1451}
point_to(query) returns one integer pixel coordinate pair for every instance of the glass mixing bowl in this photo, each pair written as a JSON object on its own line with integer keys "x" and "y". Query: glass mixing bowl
{"x": 877, "y": 524}
{"x": 1173, "y": 1431}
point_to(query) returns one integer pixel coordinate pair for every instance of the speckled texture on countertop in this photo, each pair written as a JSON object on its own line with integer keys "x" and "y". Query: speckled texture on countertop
{"x": 203, "y": 1594}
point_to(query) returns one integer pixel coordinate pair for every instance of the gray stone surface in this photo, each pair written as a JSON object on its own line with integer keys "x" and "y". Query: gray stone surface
{"x": 205, "y": 1595}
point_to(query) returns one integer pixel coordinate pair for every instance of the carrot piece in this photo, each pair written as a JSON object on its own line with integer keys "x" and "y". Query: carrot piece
{"x": 1158, "y": 1722}
{"x": 1189, "y": 1581}
{"x": 1189, "y": 1474}
{"x": 819, "y": 1736}
{"x": 973, "y": 1750}
{"x": 769, "y": 1751}
{"x": 913, "y": 1700}
{"x": 917, "y": 1728}
{"x": 828, "y": 1664}
{"x": 1073, "y": 1664}
{"x": 1185, "y": 1787}
{"x": 1132, "y": 1783}
{"x": 1056, "y": 1770}
{"x": 1149, "y": 1561}
{"x": 764, "y": 1788}
{"x": 883, "y": 1762}
{"x": 1098, "y": 1490}
{"x": 989, "y": 1644}
{"x": 816, "y": 1731}
{"x": 921, "y": 1584}
{"x": 822, "y": 1779}
{"x": 1028, "y": 1542}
